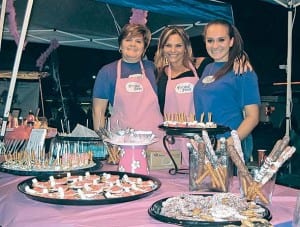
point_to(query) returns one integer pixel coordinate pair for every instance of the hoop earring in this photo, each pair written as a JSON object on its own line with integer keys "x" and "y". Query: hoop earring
{"x": 166, "y": 61}
{"x": 120, "y": 50}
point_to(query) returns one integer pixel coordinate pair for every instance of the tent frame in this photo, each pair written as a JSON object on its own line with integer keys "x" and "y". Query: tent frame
{"x": 291, "y": 6}
{"x": 16, "y": 68}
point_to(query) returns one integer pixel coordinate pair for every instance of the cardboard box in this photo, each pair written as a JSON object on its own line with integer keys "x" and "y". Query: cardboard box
{"x": 161, "y": 159}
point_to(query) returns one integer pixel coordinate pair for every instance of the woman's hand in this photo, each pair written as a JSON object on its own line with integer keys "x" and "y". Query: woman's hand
{"x": 242, "y": 64}
{"x": 99, "y": 108}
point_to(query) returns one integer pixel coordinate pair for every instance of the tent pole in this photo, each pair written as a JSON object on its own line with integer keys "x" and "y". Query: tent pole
{"x": 3, "y": 9}
{"x": 289, "y": 71}
{"x": 16, "y": 68}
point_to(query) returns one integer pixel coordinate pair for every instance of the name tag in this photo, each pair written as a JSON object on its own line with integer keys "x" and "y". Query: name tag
{"x": 208, "y": 79}
{"x": 183, "y": 88}
{"x": 135, "y": 75}
{"x": 134, "y": 87}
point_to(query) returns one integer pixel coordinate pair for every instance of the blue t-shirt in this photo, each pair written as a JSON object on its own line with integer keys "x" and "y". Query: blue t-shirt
{"x": 105, "y": 84}
{"x": 226, "y": 97}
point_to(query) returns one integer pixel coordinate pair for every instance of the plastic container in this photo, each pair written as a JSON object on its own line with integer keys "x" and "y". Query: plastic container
{"x": 62, "y": 144}
{"x": 254, "y": 190}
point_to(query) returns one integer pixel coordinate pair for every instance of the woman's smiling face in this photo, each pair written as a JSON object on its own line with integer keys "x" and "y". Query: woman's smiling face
{"x": 218, "y": 42}
{"x": 174, "y": 49}
{"x": 132, "y": 48}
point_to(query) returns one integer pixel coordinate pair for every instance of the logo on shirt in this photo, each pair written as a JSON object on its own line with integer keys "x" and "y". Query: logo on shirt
{"x": 134, "y": 87}
{"x": 183, "y": 88}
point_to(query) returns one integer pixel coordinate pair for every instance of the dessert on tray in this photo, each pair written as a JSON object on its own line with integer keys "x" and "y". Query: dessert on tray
{"x": 187, "y": 121}
{"x": 63, "y": 154}
{"x": 89, "y": 188}
{"x": 220, "y": 209}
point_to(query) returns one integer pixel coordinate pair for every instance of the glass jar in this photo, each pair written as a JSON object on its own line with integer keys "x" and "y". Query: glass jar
{"x": 255, "y": 191}
{"x": 210, "y": 173}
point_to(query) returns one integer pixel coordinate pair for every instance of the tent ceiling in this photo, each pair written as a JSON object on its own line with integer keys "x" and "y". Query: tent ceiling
{"x": 284, "y": 3}
{"x": 95, "y": 24}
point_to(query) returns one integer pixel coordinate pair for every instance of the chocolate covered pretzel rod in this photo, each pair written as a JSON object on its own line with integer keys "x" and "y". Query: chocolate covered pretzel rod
{"x": 242, "y": 168}
{"x": 276, "y": 151}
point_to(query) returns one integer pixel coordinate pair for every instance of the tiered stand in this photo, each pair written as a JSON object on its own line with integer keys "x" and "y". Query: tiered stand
{"x": 186, "y": 132}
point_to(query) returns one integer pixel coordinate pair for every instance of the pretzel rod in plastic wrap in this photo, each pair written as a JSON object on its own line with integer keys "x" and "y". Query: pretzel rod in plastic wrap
{"x": 203, "y": 170}
{"x": 272, "y": 157}
{"x": 237, "y": 144}
{"x": 202, "y": 157}
{"x": 201, "y": 150}
{"x": 207, "y": 168}
{"x": 200, "y": 146}
{"x": 212, "y": 165}
{"x": 275, "y": 153}
{"x": 285, "y": 155}
{"x": 209, "y": 147}
{"x": 250, "y": 187}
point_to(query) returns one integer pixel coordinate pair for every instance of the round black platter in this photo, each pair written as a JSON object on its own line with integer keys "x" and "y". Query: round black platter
{"x": 155, "y": 210}
{"x": 190, "y": 131}
{"x": 82, "y": 202}
{"x": 96, "y": 166}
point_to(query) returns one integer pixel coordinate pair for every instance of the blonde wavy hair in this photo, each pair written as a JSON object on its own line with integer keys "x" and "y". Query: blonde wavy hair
{"x": 160, "y": 59}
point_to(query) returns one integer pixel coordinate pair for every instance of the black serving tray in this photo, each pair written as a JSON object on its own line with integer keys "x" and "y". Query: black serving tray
{"x": 190, "y": 131}
{"x": 155, "y": 210}
{"x": 19, "y": 172}
{"x": 86, "y": 202}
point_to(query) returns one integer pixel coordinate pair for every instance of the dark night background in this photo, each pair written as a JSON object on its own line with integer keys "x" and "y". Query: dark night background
{"x": 263, "y": 27}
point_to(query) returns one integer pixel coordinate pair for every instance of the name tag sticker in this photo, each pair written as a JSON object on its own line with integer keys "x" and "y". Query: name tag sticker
{"x": 135, "y": 76}
{"x": 134, "y": 87}
{"x": 183, "y": 88}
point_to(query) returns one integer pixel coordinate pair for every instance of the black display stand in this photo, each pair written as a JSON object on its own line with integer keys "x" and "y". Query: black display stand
{"x": 186, "y": 132}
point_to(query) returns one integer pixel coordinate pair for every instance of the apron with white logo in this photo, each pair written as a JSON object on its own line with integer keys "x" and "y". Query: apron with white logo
{"x": 136, "y": 106}
{"x": 179, "y": 99}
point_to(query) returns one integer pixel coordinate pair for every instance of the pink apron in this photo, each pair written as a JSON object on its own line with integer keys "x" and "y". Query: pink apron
{"x": 179, "y": 99}
{"x": 136, "y": 106}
